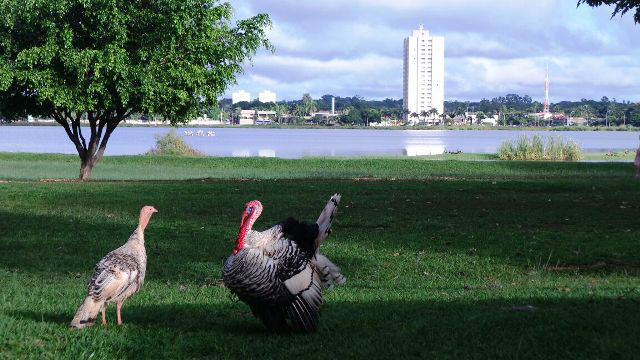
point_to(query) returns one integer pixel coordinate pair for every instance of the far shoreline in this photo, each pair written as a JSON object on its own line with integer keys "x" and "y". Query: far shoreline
{"x": 357, "y": 127}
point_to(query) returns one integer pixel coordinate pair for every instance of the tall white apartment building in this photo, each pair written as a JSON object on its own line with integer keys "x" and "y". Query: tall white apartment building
{"x": 423, "y": 73}
{"x": 267, "y": 96}
{"x": 239, "y": 96}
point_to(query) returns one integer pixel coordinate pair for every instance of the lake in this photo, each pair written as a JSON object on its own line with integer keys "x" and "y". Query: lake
{"x": 296, "y": 143}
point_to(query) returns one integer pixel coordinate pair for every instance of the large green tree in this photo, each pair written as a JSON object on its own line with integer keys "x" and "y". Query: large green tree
{"x": 101, "y": 60}
{"x": 620, "y": 6}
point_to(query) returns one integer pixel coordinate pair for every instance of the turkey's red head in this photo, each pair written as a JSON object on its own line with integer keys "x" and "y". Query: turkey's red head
{"x": 251, "y": 213}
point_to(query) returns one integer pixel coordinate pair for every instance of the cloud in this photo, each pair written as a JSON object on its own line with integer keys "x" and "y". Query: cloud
{"x": 492, "y": 48}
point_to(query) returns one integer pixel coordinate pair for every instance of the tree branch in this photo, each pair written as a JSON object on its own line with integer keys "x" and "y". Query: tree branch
{"x": 61, "y": 119}
{"x": 79, "y": 125}
{"x": 94, "y": 134}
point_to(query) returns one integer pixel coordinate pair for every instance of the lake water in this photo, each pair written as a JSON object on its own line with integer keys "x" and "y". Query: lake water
{"x": 295, "y": 143}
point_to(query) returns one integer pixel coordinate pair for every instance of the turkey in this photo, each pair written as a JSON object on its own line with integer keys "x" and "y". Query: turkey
{"x": 117, "y": 277}
{"x": 279, "y": 272}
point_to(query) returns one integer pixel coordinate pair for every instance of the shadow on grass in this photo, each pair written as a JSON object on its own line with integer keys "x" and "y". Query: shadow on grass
{"x": 514, "y": 223}
{"x": 555, "y": 328}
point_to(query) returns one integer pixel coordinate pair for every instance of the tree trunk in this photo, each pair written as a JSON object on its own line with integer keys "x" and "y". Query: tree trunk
{"x": 91, "y": 153}
{"x": 86, "y": 168}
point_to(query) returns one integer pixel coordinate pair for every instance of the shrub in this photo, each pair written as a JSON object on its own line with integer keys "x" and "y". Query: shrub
{"x": 172, "y": 144}
{"x": 537, "y": 148}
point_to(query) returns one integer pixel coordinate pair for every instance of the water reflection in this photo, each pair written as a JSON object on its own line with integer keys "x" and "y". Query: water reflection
{"x": 240, "y": 153}
{"x": 296, "y": 143}
{"x": 420, "y": 150}
{"x": 267, "y": 153}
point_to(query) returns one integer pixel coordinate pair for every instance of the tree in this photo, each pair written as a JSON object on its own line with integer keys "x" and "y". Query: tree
{"x": 433, "y": 112}
{"x": 443, "y": 116}
{"x": 370, "y": 115}
{"x": 621, "y": 6}
{"x": 423, "y": 114}
{"x": 354, "y": 115}
{"x": 280, "y": 110}
{"x": 300, "y": 111}
{"x": 214, "y": 113}
{"x": 413, "y": 115}
{"x": 308, "y": 104}
{"x": 102, "y": 60}
{"x": 237, "y": 112}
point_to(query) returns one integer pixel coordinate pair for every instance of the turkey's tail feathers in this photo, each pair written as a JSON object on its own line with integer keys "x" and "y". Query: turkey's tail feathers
{"x": 329, "y": 272}
{"x": 326, "y": 218}
{"x": 87, "y": 313}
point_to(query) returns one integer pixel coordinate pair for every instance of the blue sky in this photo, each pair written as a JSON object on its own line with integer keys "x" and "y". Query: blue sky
{"x": 492, "y": 48}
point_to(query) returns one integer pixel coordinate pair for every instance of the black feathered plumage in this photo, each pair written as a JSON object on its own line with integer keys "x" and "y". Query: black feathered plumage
{"x": 275, "y": 274}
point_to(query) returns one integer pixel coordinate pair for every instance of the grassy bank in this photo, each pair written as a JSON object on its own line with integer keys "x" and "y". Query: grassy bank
{"x": 471, "y": 260}
{"x": 23, "y": 166}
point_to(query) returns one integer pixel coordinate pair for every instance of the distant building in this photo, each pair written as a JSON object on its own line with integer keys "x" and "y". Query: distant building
{"x": 423, "y": 73}
{"x": 267, "y": 96}
{"x": 240, "y": 96}
{"x": 256, "y": 117}
{"x": 490, "y": 120}
{"x": 580, "y": 121}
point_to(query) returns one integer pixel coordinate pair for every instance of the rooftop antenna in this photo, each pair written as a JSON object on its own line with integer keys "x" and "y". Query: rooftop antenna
{"x": 546, "y": 92}
{"x": 333, "y": 106}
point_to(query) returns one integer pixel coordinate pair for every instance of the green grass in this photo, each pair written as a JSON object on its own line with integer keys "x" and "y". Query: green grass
{"x": 435, "y": 265}
{"x": 539, "y": 148}
{"x": 25, "y": 166}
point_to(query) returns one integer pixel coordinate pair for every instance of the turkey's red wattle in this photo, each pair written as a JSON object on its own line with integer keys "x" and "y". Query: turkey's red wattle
{"x": 252, "y": 211}
{"x": 245, "y": 226}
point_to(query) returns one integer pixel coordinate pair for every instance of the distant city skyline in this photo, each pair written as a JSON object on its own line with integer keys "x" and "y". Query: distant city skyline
{"x": 493, "y": 48}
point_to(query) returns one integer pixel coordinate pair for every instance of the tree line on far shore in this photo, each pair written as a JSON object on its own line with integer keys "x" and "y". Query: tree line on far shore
{"x": 511, "y": 109}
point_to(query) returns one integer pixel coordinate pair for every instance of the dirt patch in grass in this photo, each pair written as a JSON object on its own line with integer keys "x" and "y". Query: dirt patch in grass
{"x": 595, "y": 266}
{"x": 59, "y": 180}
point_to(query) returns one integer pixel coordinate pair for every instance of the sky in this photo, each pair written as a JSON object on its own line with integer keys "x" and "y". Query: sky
{"x": 492, "y": 48}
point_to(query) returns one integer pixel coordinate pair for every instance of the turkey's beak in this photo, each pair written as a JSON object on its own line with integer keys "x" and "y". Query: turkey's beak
{"x": 244, "y": 219}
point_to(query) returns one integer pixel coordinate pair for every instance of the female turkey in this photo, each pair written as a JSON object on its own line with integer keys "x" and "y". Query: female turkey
{"x": 278, "y": 272}
{"x": 117, "y": 276}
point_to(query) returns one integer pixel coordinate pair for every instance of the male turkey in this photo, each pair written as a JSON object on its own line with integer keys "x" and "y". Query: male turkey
{"x": 278, "y": 272}
{"x": 117, "y": 277}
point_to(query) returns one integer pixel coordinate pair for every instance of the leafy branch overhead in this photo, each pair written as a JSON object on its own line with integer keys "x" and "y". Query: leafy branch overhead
{"x": 102, "y": 60}
{"x": 620, "y": 6}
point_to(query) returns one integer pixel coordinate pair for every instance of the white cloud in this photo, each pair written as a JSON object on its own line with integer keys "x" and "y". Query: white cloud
{"x": 282, "y": 37}
{"x": 492, "y": 48}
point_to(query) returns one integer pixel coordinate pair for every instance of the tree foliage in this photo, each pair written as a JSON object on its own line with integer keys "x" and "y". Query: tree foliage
{"x": 102, "y": 60}
{"x": 620, "y": 6}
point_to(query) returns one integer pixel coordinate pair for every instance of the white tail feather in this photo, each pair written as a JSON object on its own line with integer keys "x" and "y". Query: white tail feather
{"x": 329, "y": 272}
{"x": 87, "y": 313}
{"x": 325, "y": 219}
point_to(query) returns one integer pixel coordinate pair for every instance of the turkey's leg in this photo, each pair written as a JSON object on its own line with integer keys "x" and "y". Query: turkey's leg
{"x": 118, "y": 306}
{"x": 104, "y": 316}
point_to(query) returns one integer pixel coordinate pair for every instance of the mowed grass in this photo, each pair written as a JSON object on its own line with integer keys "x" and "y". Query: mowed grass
{"x": 442, "y": 262}
{"x": 25, "y": 166}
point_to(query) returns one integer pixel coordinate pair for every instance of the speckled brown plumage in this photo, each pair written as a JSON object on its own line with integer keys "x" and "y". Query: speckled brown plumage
{"x": 118, "y": 276}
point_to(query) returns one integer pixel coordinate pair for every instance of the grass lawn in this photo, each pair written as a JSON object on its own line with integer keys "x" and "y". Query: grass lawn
{"x": 442, "y": 258}
{"x": 26, "y": 166}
